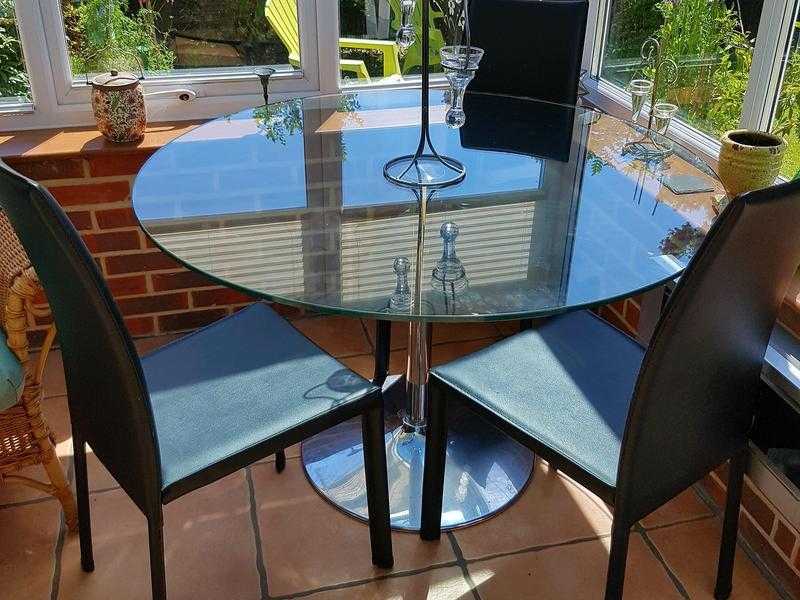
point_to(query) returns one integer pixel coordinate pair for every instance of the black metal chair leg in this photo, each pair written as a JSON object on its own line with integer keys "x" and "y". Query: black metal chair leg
{"x": 280, "y": 461}
{"x": 617, "y": 559}
{"x": 158, "y": 572}
{"x": 84, "y": 514}
{"x": 730, "y": 526}
{"x": 380, "y": 533}
{"x": 383, "y": 339}
{"x": 435, "y": 459}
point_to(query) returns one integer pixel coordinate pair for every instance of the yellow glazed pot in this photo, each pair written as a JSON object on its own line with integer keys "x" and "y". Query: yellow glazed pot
{"x": 749, "y": 160}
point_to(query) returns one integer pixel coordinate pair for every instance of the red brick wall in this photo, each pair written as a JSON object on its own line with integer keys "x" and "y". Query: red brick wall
{"x": 155, "y": 294}
{"x": 766, "y": 530}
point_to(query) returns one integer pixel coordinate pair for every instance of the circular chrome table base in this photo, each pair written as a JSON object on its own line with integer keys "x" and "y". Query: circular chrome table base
{"x": 486, "y": 470}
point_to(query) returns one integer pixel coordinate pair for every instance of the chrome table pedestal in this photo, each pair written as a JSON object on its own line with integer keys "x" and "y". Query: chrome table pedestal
{"x": 486, "y": 470}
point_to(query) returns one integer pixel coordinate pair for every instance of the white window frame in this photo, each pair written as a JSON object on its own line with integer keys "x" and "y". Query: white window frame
{"x": 59, "y": 101}
{"x": 776, "y": 29}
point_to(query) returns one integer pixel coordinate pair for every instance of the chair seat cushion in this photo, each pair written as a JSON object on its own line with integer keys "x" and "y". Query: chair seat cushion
{"x": 239, "y": 382}
{"x": 12, "y": 376}
{"x": 567, "y": 383}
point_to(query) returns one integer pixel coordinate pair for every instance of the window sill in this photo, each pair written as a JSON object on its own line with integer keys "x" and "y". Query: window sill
{"x": 50, "y": 144}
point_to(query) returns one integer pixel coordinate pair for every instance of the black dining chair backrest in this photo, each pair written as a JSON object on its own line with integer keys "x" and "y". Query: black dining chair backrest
{"x": 518, "y": 125}
{"x": 693, "y": 402}
{"x": 533, "y": 48}
{"x": 108, "y": 401}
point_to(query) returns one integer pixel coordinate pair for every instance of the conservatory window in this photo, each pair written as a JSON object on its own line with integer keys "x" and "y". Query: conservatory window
{"x": 710, "y": 44}
{"x": 163, "y": 37}
{"x": 15, "y": 91}
{"x": 787, "y": 113}
{"x": 368, "y": 49}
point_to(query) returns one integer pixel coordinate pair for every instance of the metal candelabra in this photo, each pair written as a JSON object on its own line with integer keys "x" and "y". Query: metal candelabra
{"x": 427, "y": 168}
{"x": 665, "y": 71}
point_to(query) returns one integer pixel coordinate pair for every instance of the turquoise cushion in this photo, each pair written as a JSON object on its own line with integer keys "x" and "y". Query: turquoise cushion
{"x": 567, "y": 383}
{"x": 12, "y": 376}
{"x": 244, "y": 380}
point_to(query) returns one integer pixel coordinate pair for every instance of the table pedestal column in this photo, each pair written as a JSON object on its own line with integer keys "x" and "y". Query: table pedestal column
{"x": 486, "y": 470}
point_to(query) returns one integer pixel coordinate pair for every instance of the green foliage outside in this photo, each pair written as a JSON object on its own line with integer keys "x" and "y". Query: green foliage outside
{"x": 713, "y": 53}
{"x": 109, "y": 38}
{"x": 13, "y": 79}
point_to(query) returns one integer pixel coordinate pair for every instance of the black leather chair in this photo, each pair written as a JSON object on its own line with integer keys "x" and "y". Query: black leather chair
{"x": 533, "y": 48}
{"x": 636, "y": 426}
{"x": 195, "y": 410}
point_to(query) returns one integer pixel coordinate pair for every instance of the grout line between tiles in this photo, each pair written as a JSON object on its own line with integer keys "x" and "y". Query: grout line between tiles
{"x": 538, "y": 548}
{"x": 105, "y": 490}
{"x": 47, "y": 498}
{"x": 678, "y": 522}
{"x": 351, "y": 584}
{"x": 463, "y": 565}
{"x": 660, "y": 558}
{"x": 260, "y": 565}
{"x": 58, "y": 551}
{"x": 707, "y": 499}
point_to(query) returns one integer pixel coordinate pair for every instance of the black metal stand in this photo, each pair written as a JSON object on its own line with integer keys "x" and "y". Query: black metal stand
{"x": 429, "y": 169}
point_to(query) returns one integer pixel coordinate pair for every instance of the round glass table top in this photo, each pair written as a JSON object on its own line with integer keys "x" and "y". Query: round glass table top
{"x": 289, "y": 202}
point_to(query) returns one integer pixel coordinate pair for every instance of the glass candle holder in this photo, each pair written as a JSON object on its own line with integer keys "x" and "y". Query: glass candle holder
{"x": 640, "y": 90}
{"x": 406, "y": 36}
{"x": 663, "y": 112}
{"x": 449, "y": 274}
{"x": 401, "y": 298}
{"x": 459, "y": 64}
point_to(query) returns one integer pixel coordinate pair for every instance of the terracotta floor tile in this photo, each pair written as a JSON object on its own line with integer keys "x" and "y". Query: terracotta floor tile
{"x": 340, "y": 336}
{"x": 308, "y": 544}
{"x": 461, "y": 332}
{"x": 553, "y": 509}
{"x": 440, "y": 584}
{"x": 53, "y": 383}
{"x": 27, "y": 552}
{"x": 209, "y": 541}
{"x": 364, "y": 364}
{"x": 691, "y": 550}
{"x": 684, "y": 507}
{"x": 443, "y": 353}
{"x": 574, "y": 571}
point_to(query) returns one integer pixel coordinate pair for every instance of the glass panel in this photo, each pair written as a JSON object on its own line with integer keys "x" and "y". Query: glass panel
{"x": 14, "y": 84}
{"x": 710, "y": 43}
{"x": 291, "y": 203}
{"x": 368, "y": 50}
{"x": 167, "y": 35}
{"x": 787, "y": 115}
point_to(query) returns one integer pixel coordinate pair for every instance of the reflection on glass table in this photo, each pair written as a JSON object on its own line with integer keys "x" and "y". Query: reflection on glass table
{"x": 289, "y": 203}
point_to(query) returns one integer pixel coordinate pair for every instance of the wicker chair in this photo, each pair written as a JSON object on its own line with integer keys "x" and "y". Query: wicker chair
{"x": 25, "y": 438}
